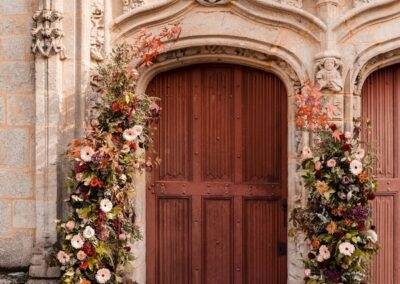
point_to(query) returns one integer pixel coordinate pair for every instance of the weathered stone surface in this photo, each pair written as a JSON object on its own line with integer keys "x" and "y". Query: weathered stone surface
{"x": 21, "y": 185}
{"x": 14, "y": 48}
{"x": 16, "y": 251}
{"x": 42, "y": 281}
{"x": 14, "y": 147}
{"x": 20, "y": 110}
{"x": 5, "y": 217}
{"x": 14, "y": 25}
{"x": 2, "y": 110}
{"x": 24, "y": 214}
{"x": 16, "y": 6}
{"x": 16, "y": 77}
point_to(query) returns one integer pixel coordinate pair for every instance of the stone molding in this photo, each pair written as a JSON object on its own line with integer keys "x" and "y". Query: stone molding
{"x": 362, "y": 2}
{"x": 47, "y": 33}
{"x": 213, "y": 2}
{"x": 97, "y": 30}
{"x": 294, "y": 3}
{"x": 130, "y": 5}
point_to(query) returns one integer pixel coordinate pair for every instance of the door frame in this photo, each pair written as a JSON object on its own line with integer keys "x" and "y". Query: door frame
{"x": 292, "y": 82}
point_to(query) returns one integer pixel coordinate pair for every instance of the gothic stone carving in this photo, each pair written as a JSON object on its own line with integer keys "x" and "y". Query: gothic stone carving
{"x": 378, "y": 59}
{"x": 294, "y": 3}
{"x": 97, "y": 30}
{"x": 47, "y": 34}
{"x": 129, "y": 5}
{"x": 235, "y": 51}
{"x": 213, "y": 2}
{"x": 329, "y": 74}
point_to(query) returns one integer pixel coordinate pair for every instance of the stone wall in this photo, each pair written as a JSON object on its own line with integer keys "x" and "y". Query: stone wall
{"x": 17, "y": 193}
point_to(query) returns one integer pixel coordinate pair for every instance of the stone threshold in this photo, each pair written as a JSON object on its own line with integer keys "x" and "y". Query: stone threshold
{"x": 22, "y": 277}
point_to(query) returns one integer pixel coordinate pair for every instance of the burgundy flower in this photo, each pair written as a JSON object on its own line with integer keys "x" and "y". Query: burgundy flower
{"x": 117, "y": 225}
{"x": 359, "y": 213}
{"x": 311, "y": 255}
{"x": 333, "y": 275}
{"x": 84, "y": 190}
{"x": 80, "y": 168}
{"x": 89, "y": 250}
{"x": 318, "y": 174}
{"x": 338, "y": 235}
{"x": 333, "y": 127}
{"x": 361, "y": 227}
{"x": 371, "y": 196}
{"x": 346, "y": 147}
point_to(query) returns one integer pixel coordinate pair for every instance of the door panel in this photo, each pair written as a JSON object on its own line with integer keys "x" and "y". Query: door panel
{"x": 380, "y": 103}
{"x": 214, "y": 207}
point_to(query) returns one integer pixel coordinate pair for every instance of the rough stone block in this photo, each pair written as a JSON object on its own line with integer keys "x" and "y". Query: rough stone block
{"x": 15, "y": 25}
{"x": 15, "y": 7}
{"x": 14, "y": 147}
{"x": 21, "y": 185}
{"x": 17, "y": 250}
{"x": 2, "y": 110}
{"x": 14, "y": 48}
{"x": 16, "y": 77}
{"x": 5, "y": 217}
{"x": 24, "y": 214}
{"x": 20, "y": 110}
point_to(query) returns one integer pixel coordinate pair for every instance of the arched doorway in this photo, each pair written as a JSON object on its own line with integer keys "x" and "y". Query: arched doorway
{"x": 216, "y": 210}
{"x": 380, "y": 97}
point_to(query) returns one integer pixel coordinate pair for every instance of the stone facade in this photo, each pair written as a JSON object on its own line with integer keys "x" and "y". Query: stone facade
{"x": 43, "y": 99}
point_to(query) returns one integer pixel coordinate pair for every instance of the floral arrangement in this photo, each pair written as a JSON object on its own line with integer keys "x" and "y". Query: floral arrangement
{"x": 95, "y": 238}
{"x": 338, "y": 174}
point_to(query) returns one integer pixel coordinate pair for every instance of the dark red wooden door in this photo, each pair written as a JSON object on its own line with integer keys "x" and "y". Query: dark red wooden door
{"x": 381, "y": 103}
{"x": 216, "y": 211}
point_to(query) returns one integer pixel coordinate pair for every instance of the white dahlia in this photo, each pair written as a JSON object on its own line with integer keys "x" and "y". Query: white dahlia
{"x": 87, "y": 153}
{"x": 63, "y": 257}
{"x": 103, "y": 275}
{"x": 356, "y": 167}
{"x": 77, "y": 241}
{"x": 88, "y": 232}
{"x": 106, "y": 205}
{"x": 346, "y": 248}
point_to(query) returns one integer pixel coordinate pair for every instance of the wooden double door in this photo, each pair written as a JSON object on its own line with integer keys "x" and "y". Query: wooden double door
{"x": 216, "y": 210}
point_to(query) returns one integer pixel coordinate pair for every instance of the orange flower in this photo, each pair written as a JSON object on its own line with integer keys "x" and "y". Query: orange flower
{"x": 84, "y": 265}
{"x": 96, "y": 182}
{"x": 315, "y": 243}
{"x": 84, "y": 281}
{"x": 363, "y": 177}
{"x": 348, "y": 222}
{"x": 335, "y": 212}
{"x": 331, "y": 228}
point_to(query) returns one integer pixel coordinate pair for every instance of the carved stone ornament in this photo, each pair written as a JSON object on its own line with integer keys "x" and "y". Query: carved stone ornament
{"x": 362, "y": 2}
{"x": 47, "y": 33}
{"x": 272, "y": 60}
{"x": 213, "y": 2}
{"x": 97, "y": 30}
{"x": 294, "y": 3}
{"x": 328, "y": 74}
{"x": 129, "y": 5}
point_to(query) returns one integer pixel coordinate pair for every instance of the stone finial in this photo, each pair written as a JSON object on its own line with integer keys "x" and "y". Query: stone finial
{"x": 213, "y": 2}
{"x": 129, "y": 5}
{"x": 294, "y": 3}
{"x": 328, "y": 73}
{"x": 47, "y": 33}
{"x": 97, "y": 30}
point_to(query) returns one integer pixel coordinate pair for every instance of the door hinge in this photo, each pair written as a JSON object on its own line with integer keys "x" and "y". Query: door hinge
{"x": 282, "y": 248}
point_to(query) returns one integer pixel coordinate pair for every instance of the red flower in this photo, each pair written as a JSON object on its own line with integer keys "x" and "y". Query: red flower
{"x": 133, "y": 145}
{"x": 371, "y": 196}
{"x": 116, "y": 107}
{"x": 346, "y": 147}
{"x": 96, "y": 182}
{"x": 361, "y": 226}
{"x": 333, "y": 127}
{"x": 84, "y": 265}
{"x": 89, "y": 250}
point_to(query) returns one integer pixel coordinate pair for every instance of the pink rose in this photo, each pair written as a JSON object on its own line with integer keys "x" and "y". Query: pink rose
{"x": 331, "y": 163}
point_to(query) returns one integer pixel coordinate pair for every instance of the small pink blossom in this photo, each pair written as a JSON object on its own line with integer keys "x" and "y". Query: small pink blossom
{"x": 331, "y": 163}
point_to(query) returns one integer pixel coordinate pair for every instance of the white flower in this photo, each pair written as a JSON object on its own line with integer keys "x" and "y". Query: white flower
{"x": 346, "y": 248}
{"x": 79, "y": 176}
{"x": 123, "y": 178}
{"x": 131, "y": 134}
{"x": 318, "y": 165}
{"x": 122, "y": 237}
{"x": 106, "y": 205}
{"x": 62, "y": 257}
{"x": 356, "y": 167}
{"x": 331, "y": 163}
{"x": 77, "y": 241}
{"x": 81, "y": 255}
{"x": 70, "y": 225}
{"x": 88, "y": 232}
{"x": 359, "y": 154}
{"x": 103, "y": 275}
{"x": 138, "y": 129}
{"x": 87, "y": 153}
{"x": 307, "y": 272}
{"x": 348, "y": 135}
{"x": 307, "y": 153}
{"x": 320, "y": 258}
{"x": 324, "y": 252}
{"x": 372, "y": 236}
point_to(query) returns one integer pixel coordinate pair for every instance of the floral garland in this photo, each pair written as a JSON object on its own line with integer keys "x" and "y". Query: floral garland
{"x": 95, "y": 238}
{"x": 337, "y": 172}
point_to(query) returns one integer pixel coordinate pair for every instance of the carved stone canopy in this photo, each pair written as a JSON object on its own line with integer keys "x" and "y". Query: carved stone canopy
{"x": 213, "y": 2}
